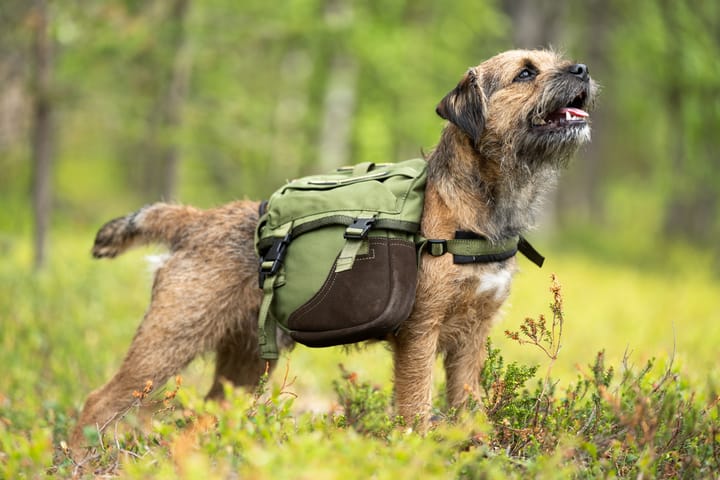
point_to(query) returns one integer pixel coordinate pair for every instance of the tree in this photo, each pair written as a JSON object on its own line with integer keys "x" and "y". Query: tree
{"x": 42, "y": 138}
{"x": 691, "y": 91}
{"x": 160, "y": 172}
{"x": 340, "y": 94}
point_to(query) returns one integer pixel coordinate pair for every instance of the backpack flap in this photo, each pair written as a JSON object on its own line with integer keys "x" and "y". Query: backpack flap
{"x": 365, "y": 302}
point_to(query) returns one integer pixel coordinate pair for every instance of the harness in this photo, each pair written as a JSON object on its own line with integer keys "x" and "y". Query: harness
{"x": 340, "y": 252}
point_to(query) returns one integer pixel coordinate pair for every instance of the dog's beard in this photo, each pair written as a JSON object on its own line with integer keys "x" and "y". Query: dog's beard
{"x": 554, "y": 147}
{"x": 553, "y": 131}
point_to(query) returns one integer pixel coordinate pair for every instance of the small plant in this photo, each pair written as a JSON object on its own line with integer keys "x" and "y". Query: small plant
{"x": 537, "y": 333}
{"x": 521, "y": 416}
{"x": 364, "y": 407}
{"x": 111, "y": 444}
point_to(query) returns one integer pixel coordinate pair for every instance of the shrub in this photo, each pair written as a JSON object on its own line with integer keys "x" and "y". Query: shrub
{"x": 631, "y": 423}
{"x": 644, "y": 424}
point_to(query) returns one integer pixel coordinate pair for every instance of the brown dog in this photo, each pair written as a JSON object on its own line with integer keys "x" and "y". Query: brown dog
{"x": 514, "y": 120}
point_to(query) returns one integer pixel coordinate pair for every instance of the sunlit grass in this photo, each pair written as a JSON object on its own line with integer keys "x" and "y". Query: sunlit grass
{"x": 618, "y": 308}
{"x": 66, "y": 329}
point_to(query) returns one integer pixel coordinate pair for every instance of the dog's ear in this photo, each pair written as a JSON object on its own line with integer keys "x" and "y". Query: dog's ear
{"x": 465, "y": 106}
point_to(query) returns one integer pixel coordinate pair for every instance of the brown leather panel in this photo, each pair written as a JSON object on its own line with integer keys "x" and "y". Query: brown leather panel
{"x": 366, "y": 302}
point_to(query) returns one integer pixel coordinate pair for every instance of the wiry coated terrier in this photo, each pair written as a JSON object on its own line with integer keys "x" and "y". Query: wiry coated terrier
{"x": 514, "y": 121}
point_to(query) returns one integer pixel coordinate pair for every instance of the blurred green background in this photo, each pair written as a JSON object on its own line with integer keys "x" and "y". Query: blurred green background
{"x": 107, "y": 105}
{"x": 204, "y": 102}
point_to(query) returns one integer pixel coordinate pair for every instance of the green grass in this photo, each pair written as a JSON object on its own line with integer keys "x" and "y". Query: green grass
{"x": 65, "y": 330}
{"x": 617, "y": 307}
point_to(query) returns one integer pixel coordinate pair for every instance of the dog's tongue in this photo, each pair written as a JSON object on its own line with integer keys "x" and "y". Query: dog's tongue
{"x": 573, "y": 111}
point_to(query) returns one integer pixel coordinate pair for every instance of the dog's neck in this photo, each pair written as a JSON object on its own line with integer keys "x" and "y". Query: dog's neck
{"x": 469, "y": 191}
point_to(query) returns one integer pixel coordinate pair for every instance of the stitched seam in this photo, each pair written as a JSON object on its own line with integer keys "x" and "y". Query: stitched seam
{"x": 316, "y": 302}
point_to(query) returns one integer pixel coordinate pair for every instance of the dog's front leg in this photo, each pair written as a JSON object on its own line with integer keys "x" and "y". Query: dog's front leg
{"x": 463, "y": 363}
{"x": 415, "y": 351}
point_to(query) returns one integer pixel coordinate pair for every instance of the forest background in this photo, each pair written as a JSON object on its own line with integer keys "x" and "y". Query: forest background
{"x": 108, "y": 105}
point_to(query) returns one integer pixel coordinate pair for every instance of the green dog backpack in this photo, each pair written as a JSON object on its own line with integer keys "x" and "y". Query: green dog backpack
{"x": 339, "y": 254}
{"x": 338, "y": 258}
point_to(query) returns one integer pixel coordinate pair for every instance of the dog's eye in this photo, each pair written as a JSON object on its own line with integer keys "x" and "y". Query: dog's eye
{"x": 525, "y": 75}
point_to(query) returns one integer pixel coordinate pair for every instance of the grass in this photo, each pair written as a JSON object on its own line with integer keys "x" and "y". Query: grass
{"x": 65, "y": 329}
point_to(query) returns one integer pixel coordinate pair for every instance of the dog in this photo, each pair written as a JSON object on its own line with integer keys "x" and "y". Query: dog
{"x": 513, "y": 122}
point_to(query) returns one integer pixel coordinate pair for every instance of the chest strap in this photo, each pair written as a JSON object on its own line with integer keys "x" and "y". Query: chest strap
{"x": 469, "y": 247}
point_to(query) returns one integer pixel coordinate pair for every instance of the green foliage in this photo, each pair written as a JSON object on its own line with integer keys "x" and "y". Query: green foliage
{"x": 638, "y": 426}
{"x": 257, "y": 95}
{"x": 505, "y": 399}
{"x": 260, "y": 76}
{"x": 57, "y": 345}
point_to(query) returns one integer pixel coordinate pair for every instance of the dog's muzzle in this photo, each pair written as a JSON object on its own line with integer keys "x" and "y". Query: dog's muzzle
{"x": 567, "y": 116}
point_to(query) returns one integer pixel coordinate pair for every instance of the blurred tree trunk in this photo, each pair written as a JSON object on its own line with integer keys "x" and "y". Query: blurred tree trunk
{"x": 42, "y": 135}
{"x": 600, "y": 14}
{"x": 536, "y": 23}
{"x": 161, "y": 167}
{"x": 15, "y": 103}
{"x": 291, "y": 111}
{"x": 340, "y": 93}
{"x": 692, "y": 204}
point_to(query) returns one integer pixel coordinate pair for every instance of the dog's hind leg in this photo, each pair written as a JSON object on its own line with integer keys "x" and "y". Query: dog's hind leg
{"x": 152, "y": 359}
{"x": 238, "y": 362}
{"x": 182, "y": 321}
{"x": 157, "y": 352}
{"x": 157, "y": 223}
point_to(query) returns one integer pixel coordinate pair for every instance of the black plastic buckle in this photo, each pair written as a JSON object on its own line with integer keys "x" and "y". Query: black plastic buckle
{"x": 275, "y": 254}
{"x": 363, "y": 225}
{"x": 443, "y": 247}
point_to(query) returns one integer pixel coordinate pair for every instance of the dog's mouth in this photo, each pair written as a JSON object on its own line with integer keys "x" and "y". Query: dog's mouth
{"x": 569, "y": 115}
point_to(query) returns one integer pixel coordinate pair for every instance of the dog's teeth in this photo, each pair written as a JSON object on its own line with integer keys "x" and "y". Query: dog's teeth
{"x": 568, "y": 116}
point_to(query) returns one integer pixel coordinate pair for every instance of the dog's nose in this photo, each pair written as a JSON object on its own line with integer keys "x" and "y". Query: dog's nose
{"x": 580, "y": 70}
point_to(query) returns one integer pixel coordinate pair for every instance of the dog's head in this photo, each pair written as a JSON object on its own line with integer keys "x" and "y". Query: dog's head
{"x": 531, "y": 105}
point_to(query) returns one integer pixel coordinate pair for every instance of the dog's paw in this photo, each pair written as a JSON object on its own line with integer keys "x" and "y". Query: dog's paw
{"x": 112, "y": 238}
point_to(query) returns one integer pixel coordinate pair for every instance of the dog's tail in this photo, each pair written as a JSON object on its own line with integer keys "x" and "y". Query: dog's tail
{"x": 158, "y": 223}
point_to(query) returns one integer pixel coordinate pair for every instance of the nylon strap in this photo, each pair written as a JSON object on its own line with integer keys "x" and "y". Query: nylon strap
{"x": 346, "y": 259}
{"x": 479, "y": 249}
{"x": 530, "y": 253}
{"x": 267, "y": 328}
{"x": 480, "y": 246}
{"x": 380, "y": 224}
